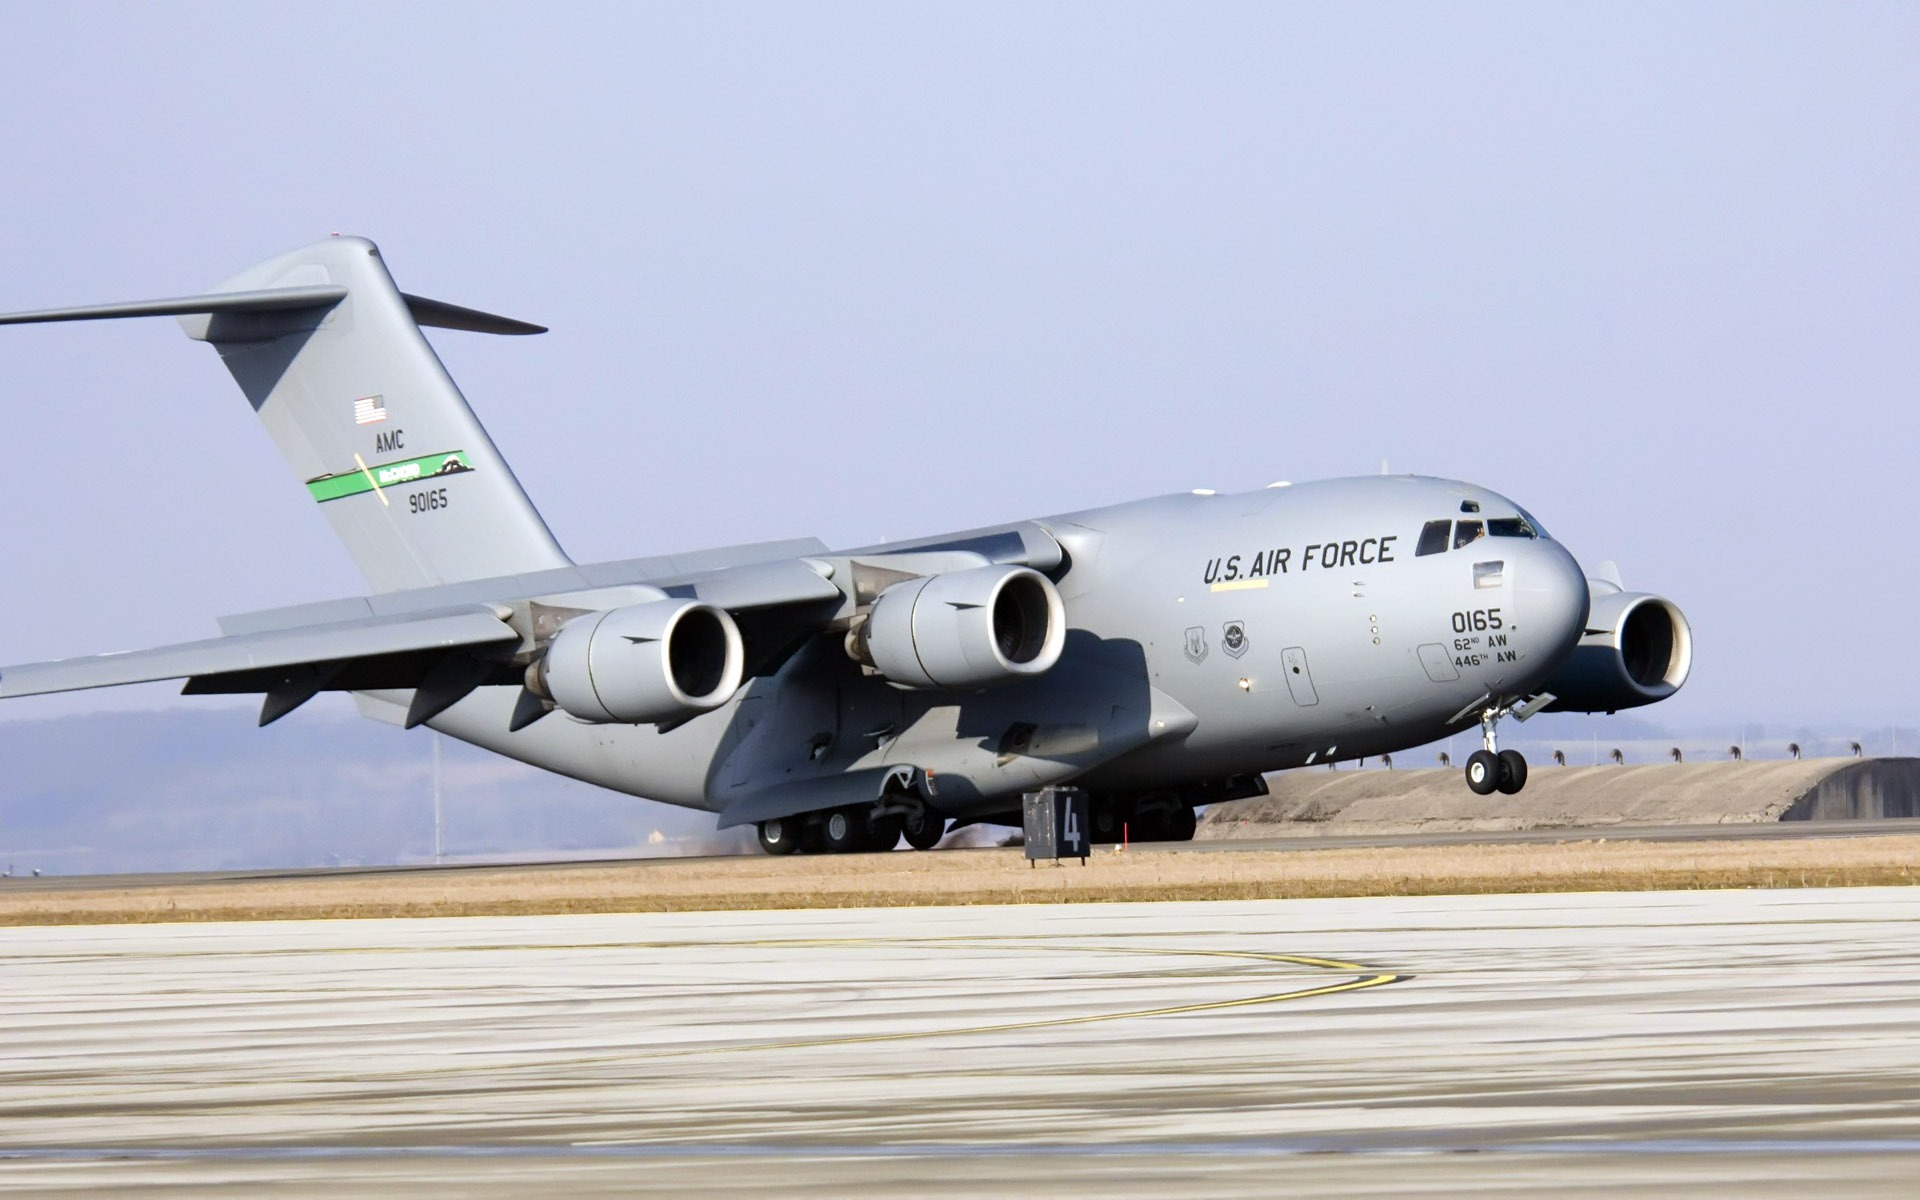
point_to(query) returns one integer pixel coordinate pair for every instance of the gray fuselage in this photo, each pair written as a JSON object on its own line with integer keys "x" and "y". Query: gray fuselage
{"x": 1210, "y": 637}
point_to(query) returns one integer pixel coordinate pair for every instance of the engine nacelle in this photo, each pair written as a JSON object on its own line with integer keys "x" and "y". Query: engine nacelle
{"x": 1637, "y": 650}
{"x": 644, "y": 663}
{"x": 964, "y": 629}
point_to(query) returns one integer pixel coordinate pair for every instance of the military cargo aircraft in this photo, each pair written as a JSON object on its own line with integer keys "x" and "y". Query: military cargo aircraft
{"x": 1161, "y": 654}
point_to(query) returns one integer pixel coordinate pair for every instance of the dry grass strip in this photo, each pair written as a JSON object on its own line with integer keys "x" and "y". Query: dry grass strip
{"x": 990, "y": 877}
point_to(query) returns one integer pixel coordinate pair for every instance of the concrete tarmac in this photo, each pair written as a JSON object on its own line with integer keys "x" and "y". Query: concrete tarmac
{"x": 1677, "y": 1044}
{"x": 1776, "y": 831}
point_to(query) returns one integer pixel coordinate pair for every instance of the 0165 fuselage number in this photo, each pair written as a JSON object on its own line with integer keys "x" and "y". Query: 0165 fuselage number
{"x": 1477, "y": 620}
{"x": 431, "y": 500}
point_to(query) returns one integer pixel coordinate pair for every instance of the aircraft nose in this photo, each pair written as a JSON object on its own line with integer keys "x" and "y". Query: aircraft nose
{"x": 1551, "y": 594}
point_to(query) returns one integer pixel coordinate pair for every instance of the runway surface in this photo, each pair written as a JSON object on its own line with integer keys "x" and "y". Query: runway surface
{"x": 1718, "y": 1043}
{"x": 1771, "y": 831}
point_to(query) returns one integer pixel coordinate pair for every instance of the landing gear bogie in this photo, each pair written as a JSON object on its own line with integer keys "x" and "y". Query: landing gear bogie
{"x": 849, "y": 830}
{"x": 1151, "y": 817}
{"x": 1491, "y": 769}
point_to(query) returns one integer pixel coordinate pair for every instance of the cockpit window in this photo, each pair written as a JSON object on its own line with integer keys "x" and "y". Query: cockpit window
{"x": 1466, "y": 533}
{"x": 1469, "y": 506}
{"x": 1533, "y": 523}
{"x": 1433, "y": 538}
{"x": 1515, "y": 527}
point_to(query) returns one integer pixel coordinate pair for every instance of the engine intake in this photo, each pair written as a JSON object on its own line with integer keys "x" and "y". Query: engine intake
{"x": 643, "y": 664}
{"x": 1637, "y": 649}
{"x": 964, "y": 629}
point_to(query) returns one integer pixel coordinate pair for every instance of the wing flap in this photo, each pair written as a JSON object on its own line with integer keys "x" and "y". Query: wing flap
{"x": 770, "y": 582}
{"x": 372, "y": 637}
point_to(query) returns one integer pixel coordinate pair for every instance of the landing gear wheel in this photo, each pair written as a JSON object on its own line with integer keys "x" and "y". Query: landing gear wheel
{"x": 1107, "y": 819}
{"x": 1151, "y": 825}
{"x": 1513, "y": 771}
{"x": 843, "y": 831}
{"x": 1483, "y": 772}
{"x": 779, "y": 837}
{"x": 1491, "y": 768}
{"x": 883, "y": 835}
{"x": 1182, "y": 823}
{"x": 925, "y": 829}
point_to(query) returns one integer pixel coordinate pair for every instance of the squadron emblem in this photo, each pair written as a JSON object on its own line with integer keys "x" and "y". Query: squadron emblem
{"x": 1233, "y": 638}
{"x": 1197, "y": 644}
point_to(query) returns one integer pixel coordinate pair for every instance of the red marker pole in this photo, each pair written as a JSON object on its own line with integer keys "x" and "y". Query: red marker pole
{"x": 1125, "y": 841}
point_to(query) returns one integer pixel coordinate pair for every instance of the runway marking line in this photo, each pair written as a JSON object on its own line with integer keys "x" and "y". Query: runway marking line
{"x": 1369, "y": 978}
{"x": 1351, "y": 985}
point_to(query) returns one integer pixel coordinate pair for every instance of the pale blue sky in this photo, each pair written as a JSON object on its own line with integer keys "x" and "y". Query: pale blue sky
{"x": 876, "y": 271}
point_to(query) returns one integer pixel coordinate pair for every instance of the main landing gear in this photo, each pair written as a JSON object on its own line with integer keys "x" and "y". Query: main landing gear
{"x": 780, "y": 836}
{"x": 854, "y": 829}
{"x": 1491, "y": 769}
{"x": 924, "y": 828}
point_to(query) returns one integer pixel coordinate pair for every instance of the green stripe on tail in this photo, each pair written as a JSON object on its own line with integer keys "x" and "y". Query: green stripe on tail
{"x": 394, "y": 474}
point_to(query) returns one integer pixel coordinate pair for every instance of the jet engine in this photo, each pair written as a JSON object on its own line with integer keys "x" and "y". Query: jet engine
{"x": 642, "y": 664}
{"x": 1637, "y": 649}
{"x": 964, "y": 629}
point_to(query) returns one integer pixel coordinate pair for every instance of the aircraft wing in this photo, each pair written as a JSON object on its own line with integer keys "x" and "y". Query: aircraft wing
{"x": 268, "y": 656}
{"x": 446, "y": 640}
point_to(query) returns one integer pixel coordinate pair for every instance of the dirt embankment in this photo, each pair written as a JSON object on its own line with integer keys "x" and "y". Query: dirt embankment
{"x": 980, "y": 877}
{"x": 1312, "y": 803}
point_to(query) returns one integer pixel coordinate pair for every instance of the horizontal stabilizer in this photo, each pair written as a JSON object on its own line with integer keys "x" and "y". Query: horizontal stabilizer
{"x": 346, "y": 640}
{"x": 437, "y": 314}
{"x": 440, "y": 315}
{"x": 264, "y": 300}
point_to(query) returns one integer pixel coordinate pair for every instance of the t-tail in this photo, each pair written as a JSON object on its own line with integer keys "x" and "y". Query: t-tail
{"x": 330, "y": 354}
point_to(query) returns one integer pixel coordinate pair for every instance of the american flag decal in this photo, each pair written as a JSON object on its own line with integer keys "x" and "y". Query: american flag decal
{"x": 368, "y": 409}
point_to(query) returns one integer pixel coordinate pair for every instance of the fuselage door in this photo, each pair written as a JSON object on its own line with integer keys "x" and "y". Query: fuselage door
{"x": 1438, "y": 663}
{"x": 1299, "y": 678}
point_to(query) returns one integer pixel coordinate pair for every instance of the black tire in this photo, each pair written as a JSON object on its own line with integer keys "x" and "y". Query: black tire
{"x": 883, "y": 835}
{"x": 1183, "y": 822}
{"x": 1107, "y": 818}
{"x": 843, "y": 831}
{"x": 779, "y": 837}
{"x": 1513, "y": 771}
{"x": 1483, "y": 773}
{"x": 1151, "y": 825}
{"x": 924, "y": 829}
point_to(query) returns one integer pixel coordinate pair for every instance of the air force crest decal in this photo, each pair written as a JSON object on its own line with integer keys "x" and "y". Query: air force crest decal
{"x": 1197, "y": 643}
{"x": 1233, "y": 638}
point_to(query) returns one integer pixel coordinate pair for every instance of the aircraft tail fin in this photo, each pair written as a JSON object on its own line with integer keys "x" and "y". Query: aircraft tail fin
{"x": 330, "y": 354}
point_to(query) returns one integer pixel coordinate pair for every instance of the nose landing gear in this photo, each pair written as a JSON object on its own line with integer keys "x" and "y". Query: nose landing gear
{"x": 1491, "y": 769}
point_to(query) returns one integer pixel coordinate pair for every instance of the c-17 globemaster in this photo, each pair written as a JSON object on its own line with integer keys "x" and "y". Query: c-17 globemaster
{"x": 1161, "y": 654}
